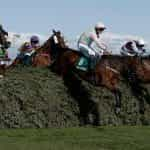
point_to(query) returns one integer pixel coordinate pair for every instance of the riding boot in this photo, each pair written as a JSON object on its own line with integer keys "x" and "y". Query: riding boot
{"x": 27, "y": 60}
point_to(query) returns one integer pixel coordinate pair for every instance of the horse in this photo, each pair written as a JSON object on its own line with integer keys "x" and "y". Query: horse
{"x": 3, "y": 38}
{"x": 140, "y": 66}
{"x": 40, "y": 58}
{"x": 136, "y": 70}
{"x": 109, "y": 69}
{"x": 65, "y": 65}
{"x": 45, "y": 55}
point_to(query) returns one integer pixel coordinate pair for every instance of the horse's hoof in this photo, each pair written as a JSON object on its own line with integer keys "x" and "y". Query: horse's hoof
{"x": 117, "y": 110}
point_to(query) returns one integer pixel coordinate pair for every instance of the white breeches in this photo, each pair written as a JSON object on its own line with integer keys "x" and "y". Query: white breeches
{"x": 87, "y": 51}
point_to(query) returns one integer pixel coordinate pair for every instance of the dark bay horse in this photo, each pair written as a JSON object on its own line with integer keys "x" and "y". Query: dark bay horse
{"x": 140, "y": 66}
{"x": 136, "y": 71}
{"x": 104, "y": 75}
{"x": 108, "y": 71}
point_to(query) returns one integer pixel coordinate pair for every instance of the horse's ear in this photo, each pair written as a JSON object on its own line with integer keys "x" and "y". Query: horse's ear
{"x": 54, "y": 31}
{"x": 59, "y": 32}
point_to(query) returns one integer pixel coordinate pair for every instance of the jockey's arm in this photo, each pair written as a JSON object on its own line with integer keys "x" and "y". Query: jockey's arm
{"x": 101, "y": 46}
{"x": 135, "y": 48}
{"x": 98, "y": 43}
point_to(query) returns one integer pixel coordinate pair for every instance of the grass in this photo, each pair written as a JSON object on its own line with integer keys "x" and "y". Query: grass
{"x": 100, "y": 138}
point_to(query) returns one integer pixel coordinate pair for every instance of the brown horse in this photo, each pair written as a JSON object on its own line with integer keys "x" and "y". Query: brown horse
{"x": 41, "y": 58}
{"x": 46, "y": 54}
{"x": 136, "y": 70}
{"x": 139, "y": 67}
{"x": 108, "y": 70}
{"x": 65, "y": 63}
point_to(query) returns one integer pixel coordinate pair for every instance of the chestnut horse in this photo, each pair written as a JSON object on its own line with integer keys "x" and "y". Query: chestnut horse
{"x": 41, "y": 58}
{"x": 46, "y": 54}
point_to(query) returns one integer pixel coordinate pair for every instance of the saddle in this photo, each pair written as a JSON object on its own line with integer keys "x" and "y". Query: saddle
{"x": 87, "y": 63}
{"x": 83, "y": 63}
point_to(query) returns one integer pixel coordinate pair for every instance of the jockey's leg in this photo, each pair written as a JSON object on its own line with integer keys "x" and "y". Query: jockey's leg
{"x": 92, "y": 62}
{"x": 88, "y": 53}
{"x": 94, "y": 58}
{"x": 84, "y": 49}
{"x": 27, "y": 60}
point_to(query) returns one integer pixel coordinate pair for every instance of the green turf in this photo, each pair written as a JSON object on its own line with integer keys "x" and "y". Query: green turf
{"x": 101, "y": 138}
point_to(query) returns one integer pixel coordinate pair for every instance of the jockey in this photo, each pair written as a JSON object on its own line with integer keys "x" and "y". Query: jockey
{"x": 28, "y": 48}
{"x": 35, "y": 42}
{"x": 134, "y": 47}
{"x": 26, "y": 51}
{"x": 86, "y": 41}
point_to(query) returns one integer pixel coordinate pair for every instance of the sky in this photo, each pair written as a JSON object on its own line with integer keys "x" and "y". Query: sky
{"x": 72, "y": 17}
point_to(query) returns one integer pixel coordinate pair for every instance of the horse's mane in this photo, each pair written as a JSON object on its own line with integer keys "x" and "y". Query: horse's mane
{"x": 44, "y": 46}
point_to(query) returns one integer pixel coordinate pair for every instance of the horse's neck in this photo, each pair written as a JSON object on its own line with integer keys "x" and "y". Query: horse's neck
{"x": 2, "y": 39}
{"x": 45, "y": 48}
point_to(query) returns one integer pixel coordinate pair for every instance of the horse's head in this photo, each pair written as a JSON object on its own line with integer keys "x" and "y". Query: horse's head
{"x": 57, "y": 40}
{"x": 4, "y": 39}
{"x": 54, "y": 45}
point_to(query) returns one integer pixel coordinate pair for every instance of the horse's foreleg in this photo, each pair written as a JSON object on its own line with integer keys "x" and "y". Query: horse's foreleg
{"x": 117, "y": 94}
{"x": 110, "y": 80}
{"x": 2, "y": 70}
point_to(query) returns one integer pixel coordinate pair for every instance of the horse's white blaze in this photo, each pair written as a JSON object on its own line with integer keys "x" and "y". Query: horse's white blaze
{"x": 55, "y": 40}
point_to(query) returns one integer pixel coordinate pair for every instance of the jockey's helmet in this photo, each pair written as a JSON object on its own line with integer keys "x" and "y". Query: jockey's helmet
{"x": 34, "y": 39}
{"x": 140, "y": 43}
{"x": 100, "y": 26}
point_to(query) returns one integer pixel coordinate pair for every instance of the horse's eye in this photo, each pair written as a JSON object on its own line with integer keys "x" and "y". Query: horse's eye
{"x": 55, "y": 39}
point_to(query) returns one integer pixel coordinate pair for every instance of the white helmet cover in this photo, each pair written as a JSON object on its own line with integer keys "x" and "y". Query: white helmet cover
{"x": 100, "y": 25}
{"x": 141, "y": 42}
